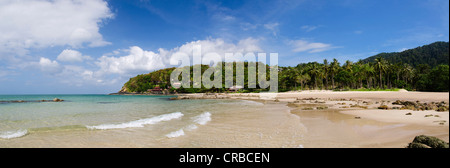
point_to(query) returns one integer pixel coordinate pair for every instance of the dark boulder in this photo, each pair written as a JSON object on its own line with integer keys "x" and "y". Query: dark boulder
{"x": 423, "y": 141}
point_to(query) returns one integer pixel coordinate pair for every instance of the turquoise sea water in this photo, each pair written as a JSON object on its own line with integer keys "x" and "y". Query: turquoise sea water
{"x": 88, "y": 112}
{"x": 143, "y": 121}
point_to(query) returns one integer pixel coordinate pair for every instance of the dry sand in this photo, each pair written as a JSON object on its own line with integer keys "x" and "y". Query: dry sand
{"x": 425, "y": 118}
{"x": 370, "y": 127}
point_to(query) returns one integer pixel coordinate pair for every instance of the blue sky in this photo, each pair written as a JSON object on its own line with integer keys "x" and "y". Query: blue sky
{"x": 76, "y": 46}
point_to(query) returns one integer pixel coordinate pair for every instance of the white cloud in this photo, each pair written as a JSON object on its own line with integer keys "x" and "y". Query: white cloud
{"x": 272, "y": 27}
{"x": 29, "y": 24}
{"x": 48, "y": 66}
{"x": 308, "y": 28}
{"x": 249, "y": 45}
{"x": 71, "y": 75}
{"x": 310, "y": 47}
{"x": 136, "y": 60}
{"x": 217, "y": 46}
{"x": 117, "y": 67}
{"x": 248, "y": 26}
{"x": 80, "y": 76}
{"x": 139, "y": 60}
{"x": 72, "y": 56}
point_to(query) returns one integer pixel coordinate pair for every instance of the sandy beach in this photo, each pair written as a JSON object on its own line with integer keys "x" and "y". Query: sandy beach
{"x": 352, "y": 119}
{"x": 313, "y": 119}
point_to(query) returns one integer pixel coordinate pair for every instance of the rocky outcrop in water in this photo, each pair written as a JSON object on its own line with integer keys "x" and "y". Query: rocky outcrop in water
{"x": 31, "y": 101}
{"x": 201, "y": 96}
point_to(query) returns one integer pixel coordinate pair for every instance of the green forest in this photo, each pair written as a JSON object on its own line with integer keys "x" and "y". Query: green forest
{"x": 161, "y": 79}
{"x": 432, "y": 55}
{"x": 424, "y": 68}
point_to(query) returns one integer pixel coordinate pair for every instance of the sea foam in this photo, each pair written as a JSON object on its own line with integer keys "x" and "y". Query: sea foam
{"x": 202, "y": 119}
{"x": 175, "y": 134}
{"x": 13, "y": 134}
{"x": 191, "y": 127}
{"x": 139, "y": 123}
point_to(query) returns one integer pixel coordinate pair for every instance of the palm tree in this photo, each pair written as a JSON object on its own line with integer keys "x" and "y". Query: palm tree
{"x": 315, "y": 72}
{"x": 407, "y": 72}
{"x": 302, "y": 77}
{"x": 334, "y": 68}
{"x": 348, "y": 65}
{"x": 358, "y": 71}
{"x": 389, "y": 71}
{"x": 398, "y": 70}
{"x": 380, "y": 66}
{"x": 367, "y": 71}
{"x": 326, "y": 69}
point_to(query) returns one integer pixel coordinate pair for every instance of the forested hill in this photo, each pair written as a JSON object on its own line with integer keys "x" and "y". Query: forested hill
{"x": 431, "y": 54}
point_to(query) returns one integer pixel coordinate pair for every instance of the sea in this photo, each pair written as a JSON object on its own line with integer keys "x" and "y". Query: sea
{"x": 144, "y": 121}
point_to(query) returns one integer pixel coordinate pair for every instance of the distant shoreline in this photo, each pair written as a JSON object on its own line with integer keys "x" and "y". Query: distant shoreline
{"x": 171, "y": 94}
{"x": 148, "y": 94}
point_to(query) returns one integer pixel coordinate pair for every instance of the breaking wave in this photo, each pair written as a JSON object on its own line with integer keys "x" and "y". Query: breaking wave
{"x": 202, "y": 119}
{"x": 13, "y": 134}
{"x": 139, "y": 123}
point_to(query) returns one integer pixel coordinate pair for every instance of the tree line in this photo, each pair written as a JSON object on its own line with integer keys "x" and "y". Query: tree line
{"x": 378, "y": 75}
